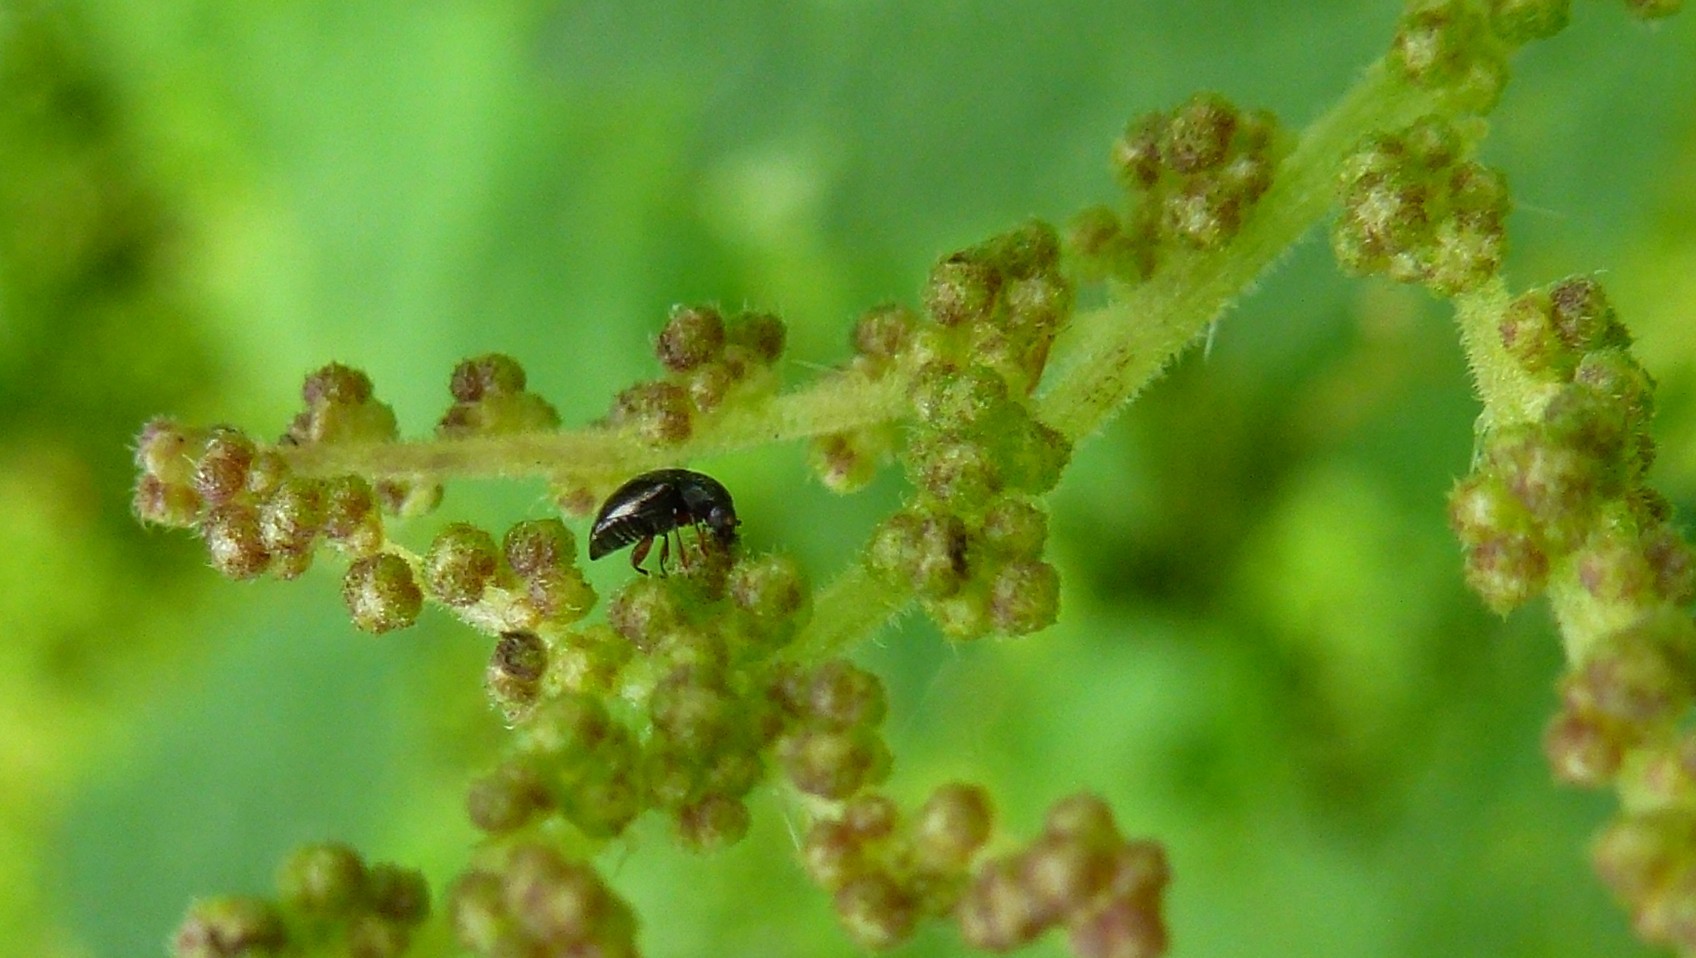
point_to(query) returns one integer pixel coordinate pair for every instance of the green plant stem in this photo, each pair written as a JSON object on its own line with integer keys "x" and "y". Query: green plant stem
{"x": 1509, "y": 395}
{"x": 1110, "y": 354}
{"x": 854, "y": 605}
{"x": 837, "y": 403}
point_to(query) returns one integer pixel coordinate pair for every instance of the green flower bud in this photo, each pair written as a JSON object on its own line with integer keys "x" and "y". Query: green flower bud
{"x": 476, "y": 907}
{"x": 325, "y": 878}
{"x": 221, "y": 472}
{"x": 847, "y": 462}
{"x": 557, "y": 902}
{"x": 1583, "y": 316}
{"x": 713, "y": 823}
{"x": 875, "y": 911}
{"x": 643, "y": 611}
{"x": 1015, "y": 527}
{"x": 506, "y": 799}
{"x": 692, "y": 336}
{"x": 834, "y": 764}
{"x": 487, "y": 376}
{"x": 1024, "y": 597}
{"x": 996, "y": 913}
{"x": 871, "y": 816}
{"x": 1528, "y": 331}
{"x": 771, "y": 588}
{"x": 460, "y": 565}
{"x": 398, "y": 894}
{"x": 961, "y": 290}
{"x": 833, "y": 853}
{"x": 1521, "y": 21}
{"x": 230, "y": 927}
{"x": 535, "y": 547}
{"x": 919, "y": 551}
{"x": 1583, "y": 750}
{"x": 1136, "y": 154}
{"x": 763, "y": 335}
{"x": 292, "y": 516}
{"x": 162, "y": 450}
{"x": 380, "y": 593}
{"x": 1202, "y": 213}
{"x": 1507, "y": 571}
{"x": 1062, "y": 875}
{"x": 950, "y": 827}
{"x": 1031, "y": 249}
{"x": 336, "y": 384}
{"x": 844, "y": 696}
{"x": 233, "y": 541}
{"x": 166, "y": 504}
{"x": 514, "y": 675}
{"x": 882, "y": 334}
{"x": 1121, "y": 927}
{"x": 350, "y": 514}
{"x": 659, "y": 412}
{"x": 1199, "y": 134}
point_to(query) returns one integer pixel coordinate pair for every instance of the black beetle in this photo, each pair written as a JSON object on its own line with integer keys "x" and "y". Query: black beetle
{"x": 656, "y": 504}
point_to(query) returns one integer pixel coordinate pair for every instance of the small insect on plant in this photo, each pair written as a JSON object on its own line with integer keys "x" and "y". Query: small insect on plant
{"x": 656, "y": 504}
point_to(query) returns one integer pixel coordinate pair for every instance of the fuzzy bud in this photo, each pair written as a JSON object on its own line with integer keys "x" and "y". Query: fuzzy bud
{"x": 230, "y": 927}
{"x": 660, "y": 412}
{"x": 926, "y": 553}
{"x": 234, "y": 542}
{"x": 487, "y": 376}
{"x": 536, "y": 547}
{"x": 875, "y": 911}
{"x": 1199, "y": 134}
{"x": 961, "y": 290}
{"x": 713, "y": 823}
{"x": 763, "y": 335}
{"x": 221, "y": 473}
{"x": 951, "y": 826}
{"x": 692, "y": 336}
{"x": 505, "y": 800}
{"x": 882, "y": 333}
{"x": 351, "y": 516}
{"x": 460, "y": 564}
{"x": 1024, "y": 597}
{"x": 1521, "y": 21}
{"x": 380, "y": 593}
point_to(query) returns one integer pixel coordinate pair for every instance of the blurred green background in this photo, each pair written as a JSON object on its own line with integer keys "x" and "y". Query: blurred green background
{"x": 1266, "y": 656}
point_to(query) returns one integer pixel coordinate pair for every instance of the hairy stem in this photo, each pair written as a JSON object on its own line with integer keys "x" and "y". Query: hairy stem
{"x": 832, "y": 404}
{"x": 1113, "y": 352}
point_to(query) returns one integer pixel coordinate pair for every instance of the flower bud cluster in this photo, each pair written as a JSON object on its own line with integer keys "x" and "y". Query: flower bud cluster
{"x": 1415, "y": 210}
{"x": 828, "y": 740}
{"x": 1193, "y": 175}
{"x": 886, "y": 872}
{"x": 1453, "y": 44}
{"x": 975, "y": 575}
{"x": 1569, "y": 483}
{"x": 490, "y": 399}
{"x": 531, "y": 582}
{"x": 993, "y": 311}
{"x": 1647, "y": 859}
{"x": 329, "y": 901}
{"x": 706, "y": 358}
{"x": 1632, "y": 688}
{"x": 703, "y": 702}
{"x": 253, "y": 513}
{"x": 538, "y": 902}
{"x": 1106, "y": 891}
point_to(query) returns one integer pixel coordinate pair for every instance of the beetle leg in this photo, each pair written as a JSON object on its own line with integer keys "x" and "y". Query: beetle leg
{"x": 682, "y": 550}
{"x": 641, "y": 552}
{"x": 665, "y": 554}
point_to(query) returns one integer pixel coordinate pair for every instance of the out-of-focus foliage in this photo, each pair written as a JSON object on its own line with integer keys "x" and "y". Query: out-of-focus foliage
{"x": 1265, "y": 657}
